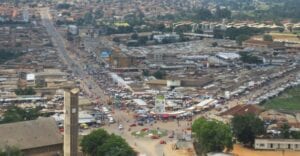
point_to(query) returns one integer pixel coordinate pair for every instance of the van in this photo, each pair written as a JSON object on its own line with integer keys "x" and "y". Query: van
{"x": 111, "y": 120}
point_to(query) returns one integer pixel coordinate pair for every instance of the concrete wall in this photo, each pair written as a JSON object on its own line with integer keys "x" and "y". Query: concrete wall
{"x": 44, "y": 151}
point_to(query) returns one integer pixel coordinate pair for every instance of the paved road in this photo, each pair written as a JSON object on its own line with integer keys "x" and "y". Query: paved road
{"x": 74, "y": 65}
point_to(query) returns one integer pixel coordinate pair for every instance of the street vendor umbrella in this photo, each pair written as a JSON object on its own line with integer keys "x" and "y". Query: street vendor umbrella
{"x": 165, "y": 115}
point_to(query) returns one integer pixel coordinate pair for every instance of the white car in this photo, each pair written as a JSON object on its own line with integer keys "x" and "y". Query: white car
{"x": 121, "y": 126}
{"x": 111, "y": 120}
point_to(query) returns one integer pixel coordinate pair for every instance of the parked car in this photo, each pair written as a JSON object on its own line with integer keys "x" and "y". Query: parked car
{"x": 132, "y": 125}
{"x": 111, "y": 120}
{"x": 154, "y": 137}
{"x": 140, "y": 123}
{"x": 145, "y": 129}
{"x": 162, "y": 142}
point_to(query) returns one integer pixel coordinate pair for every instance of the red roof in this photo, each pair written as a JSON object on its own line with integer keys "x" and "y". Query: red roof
{"x": 243, "y": 109}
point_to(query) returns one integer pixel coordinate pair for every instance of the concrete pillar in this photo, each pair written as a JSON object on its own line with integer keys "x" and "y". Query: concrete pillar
{"x": 71, "y": 122}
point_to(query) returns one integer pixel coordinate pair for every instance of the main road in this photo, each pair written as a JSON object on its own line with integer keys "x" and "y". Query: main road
{"x": 88, "y": 83}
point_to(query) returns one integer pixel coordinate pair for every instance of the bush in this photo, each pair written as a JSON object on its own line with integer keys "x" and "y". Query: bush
{"x": 159, "y": 74}
{"x": 26, "y": 91}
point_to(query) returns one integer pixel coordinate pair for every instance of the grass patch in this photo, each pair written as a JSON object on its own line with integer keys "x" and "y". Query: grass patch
{"x": 141, "y": 133}
{"x": 289, "y": 100}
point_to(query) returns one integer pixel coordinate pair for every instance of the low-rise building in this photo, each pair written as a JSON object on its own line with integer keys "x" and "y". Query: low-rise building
{"x": 277, "y": 144}
{"x": 33, "y": 138}
{"x": 167, "y": 37}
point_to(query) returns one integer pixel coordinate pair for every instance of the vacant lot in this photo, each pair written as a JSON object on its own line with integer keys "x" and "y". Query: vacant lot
{"x": 288, "y": 37}
{"x": 289, "y": 100}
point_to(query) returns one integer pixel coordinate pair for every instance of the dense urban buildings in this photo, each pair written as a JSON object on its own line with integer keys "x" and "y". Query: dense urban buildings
{"x": 151, "y": 77}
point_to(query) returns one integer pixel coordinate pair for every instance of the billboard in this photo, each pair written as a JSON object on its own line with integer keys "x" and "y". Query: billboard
{"x": 160, "y": 102}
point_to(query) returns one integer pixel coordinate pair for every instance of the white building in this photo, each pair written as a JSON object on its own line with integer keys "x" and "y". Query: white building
{"x": 173, "y": 83}
{"x": 277, "y": 144}
{"x": 73, "y": 29}
{"x": 169, "y": 37}
{"x": 228, "y": 56}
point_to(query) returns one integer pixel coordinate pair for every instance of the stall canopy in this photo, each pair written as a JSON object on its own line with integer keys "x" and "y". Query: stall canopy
{"x": 165, "y": 115}
{"x": 140, "y": 102}
{"x": 205, "y": 102}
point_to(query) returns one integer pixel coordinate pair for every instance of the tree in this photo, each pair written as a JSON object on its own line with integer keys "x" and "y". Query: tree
{"x": 248, "y": 58}
{"x": 214, "y": 44}
{"x": 63, "y": 6}
{"x": 159, "y": 74}
{"x": 211, "y": 136}
{"x": 146, "y": 72}
{"x": 160, "y": 27}
{"x": 285, "y": 131}
{"x": 199, "y": 31}
{"x": 25, "y": 91}
{"x": 91, "y": 142}
{"x": 98, "y": 14}
{"x": 247, "y": 127}
{"x": 134, "y": 36}
{"x": 241, "y": 38}
{"x": 7, "y": 54}
{"x": 100, "y": 143}
{"x": 203, "y": 14}
{"x": 134, "y": 19}
{"x": 15, "y": 114}
{"x": 218, "y": 33}
{"x": 183, "y": 28}
{"x": 222, "y": 13}
{"x": 88, "y": 18}
{"x": 232, "y": 33}
{"x": 142, "y": 40}
{"x": 295, "y": 135}
{"x": 116, "y": 39}
{"x": 281, "y": 29}
{"x": 115, "y": 146}
{"x": 10, "y": 151}
{"x": 268, "y": 38}
{"x": 166, "y": 17}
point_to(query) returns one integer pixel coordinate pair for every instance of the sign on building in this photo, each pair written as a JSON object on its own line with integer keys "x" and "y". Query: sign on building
{"x": 159, "y": 104}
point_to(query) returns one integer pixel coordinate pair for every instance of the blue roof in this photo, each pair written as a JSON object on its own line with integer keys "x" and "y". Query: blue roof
{"x": 105, "y": 54}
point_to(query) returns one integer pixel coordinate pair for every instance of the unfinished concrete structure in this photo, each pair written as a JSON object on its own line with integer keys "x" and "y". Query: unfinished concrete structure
{"x": 71, "y": 122}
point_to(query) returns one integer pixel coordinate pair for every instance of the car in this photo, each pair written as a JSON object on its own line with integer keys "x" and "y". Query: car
{"x": 171, "y": 136}
{"x": 111, "y": 120}
{"x": 141, "y": 123}
{"x": 123, "y": 108}
{"x": 145, "y": 129}
{"x": 121, "y": 126}
{"x": 154, "y": 137}
{"x": 162, "y": 142}
{"x": 132, "y": 125}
